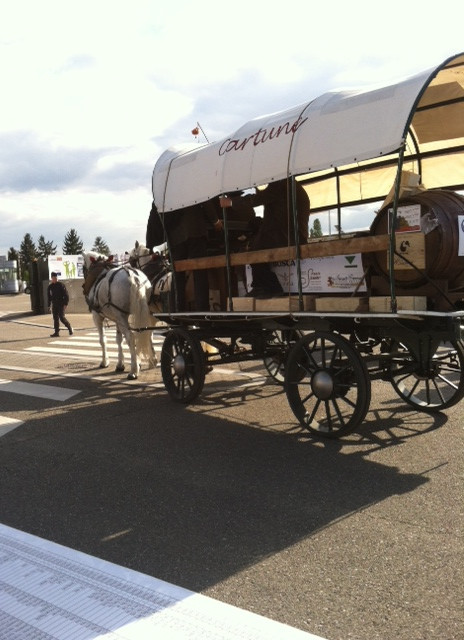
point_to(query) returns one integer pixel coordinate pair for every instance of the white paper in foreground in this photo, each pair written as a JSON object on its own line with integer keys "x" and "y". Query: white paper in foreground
{"x": 51, "y": 592}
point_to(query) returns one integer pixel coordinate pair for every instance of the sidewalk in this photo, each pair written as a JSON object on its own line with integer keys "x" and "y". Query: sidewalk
{"x": 18, "y": 306}
{"x": 15, "y": 304}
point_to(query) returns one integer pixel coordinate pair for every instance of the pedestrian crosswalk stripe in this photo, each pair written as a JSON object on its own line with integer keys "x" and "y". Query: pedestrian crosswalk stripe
{"x": 88, "y": 346}
{"x": 80, "y": 375}
{"x": 8, "y": 424}
{"x": 93, "y": 342}
{"x": 47, "y": 392}
{"x": 69, "y": 351}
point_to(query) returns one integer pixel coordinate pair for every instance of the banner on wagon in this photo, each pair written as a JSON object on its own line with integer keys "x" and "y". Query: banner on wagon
{"x": 331, "y": 274}
{"x": 461, "y": 235}
{"x": 67, "y": 267}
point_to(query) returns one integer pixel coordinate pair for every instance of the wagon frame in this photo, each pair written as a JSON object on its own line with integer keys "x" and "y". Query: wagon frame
{"x": 327, "y": 359}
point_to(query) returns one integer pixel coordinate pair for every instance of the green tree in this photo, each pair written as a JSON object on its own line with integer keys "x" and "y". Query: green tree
{"x": 316, "y": 229}
{"x": 45, "y": 248}
{"x": 27, "y": 253}
{"x": 72, "y": 245}
{"x": 13, "y": 254}
{"x": 100, "y": 246}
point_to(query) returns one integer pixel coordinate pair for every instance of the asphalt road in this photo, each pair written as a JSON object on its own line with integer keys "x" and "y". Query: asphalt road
{"x": 359, "y": 538}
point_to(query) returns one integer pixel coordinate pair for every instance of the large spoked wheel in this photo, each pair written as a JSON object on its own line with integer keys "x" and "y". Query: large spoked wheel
{"x": 433, "y": 384}
{"x": 327, "y": 384}
{"x": 277, "y": 349}
{"x": 183, "y": 365}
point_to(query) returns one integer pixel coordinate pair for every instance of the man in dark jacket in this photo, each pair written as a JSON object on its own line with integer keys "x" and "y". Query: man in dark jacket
{"x": 155, "y": 234}
{"x": 58, "y": 299}
{"x": 187, "y": 231}
{"x": 277, "y": 228}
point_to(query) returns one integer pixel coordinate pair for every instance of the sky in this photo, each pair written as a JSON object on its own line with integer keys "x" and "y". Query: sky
{"x": 93, "y": 91}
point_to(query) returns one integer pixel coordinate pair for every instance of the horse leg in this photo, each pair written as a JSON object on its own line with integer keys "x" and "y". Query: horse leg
{"x": 152, "y": 359}
{"x": 98, "y": 321}
{"x": 145, "y": 348}
{"x": 131, "y": 343}
{"x": 120, "y": 366}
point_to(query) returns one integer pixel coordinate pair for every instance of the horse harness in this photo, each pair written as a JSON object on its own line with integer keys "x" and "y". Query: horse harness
{"x": 159, "y": 272}
{"x": 96, "y": 283}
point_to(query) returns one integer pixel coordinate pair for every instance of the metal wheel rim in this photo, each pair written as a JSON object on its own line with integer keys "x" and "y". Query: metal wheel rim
{"x": 275, "y": 364}
{"x": 183, "y": 365}
{"x": 327, "y": 384}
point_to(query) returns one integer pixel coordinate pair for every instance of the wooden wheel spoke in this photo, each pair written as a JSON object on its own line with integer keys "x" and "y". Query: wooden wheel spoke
{"x": 338, "y": 412}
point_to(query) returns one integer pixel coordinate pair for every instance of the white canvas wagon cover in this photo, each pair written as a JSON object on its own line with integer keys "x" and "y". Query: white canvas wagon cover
{"x": 344, "y": 145}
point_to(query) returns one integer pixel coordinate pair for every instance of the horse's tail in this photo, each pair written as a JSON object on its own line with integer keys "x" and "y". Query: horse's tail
{"x": 140, "y": 316}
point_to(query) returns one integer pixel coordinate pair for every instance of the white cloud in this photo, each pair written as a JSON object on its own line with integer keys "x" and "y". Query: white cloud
{"x": 119, "y": 217}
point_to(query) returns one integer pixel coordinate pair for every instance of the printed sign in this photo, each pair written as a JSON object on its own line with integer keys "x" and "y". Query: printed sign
{"x": 408, "y": 218}
{"x": 461, "y": 235}
{"x": 67, "y": 267}
{"x": 332, "y": 274}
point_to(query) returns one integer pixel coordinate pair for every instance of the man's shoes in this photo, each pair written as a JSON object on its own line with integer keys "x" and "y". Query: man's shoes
{"x": 54, "y": 335}
{"x": 70, "y": 331}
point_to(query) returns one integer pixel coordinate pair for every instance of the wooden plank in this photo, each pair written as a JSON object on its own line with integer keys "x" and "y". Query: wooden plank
{"x": 277, "y": 304}
{"x": 348, "y": 303}
{"x": 382, "y": 304}
{"x": 364, "y": 244}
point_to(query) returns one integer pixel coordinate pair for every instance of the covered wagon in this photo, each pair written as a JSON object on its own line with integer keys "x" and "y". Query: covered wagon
{"x": 391, "y": 306}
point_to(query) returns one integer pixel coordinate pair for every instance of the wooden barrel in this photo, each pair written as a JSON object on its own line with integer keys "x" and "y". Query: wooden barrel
{"x": 439, "y": 211}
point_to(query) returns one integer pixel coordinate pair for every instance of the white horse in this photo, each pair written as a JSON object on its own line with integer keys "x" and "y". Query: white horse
{"x": 157, "y": 269}
{"x": 120, "y": 294}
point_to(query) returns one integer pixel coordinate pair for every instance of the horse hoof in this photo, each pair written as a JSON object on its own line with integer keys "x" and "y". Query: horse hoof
{"x": 120, "y": 368}
{"x": 104, "y": 366}
{"x": 132, "y": 376}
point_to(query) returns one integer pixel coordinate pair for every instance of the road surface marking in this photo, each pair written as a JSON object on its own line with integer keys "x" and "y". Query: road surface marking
{"x": 37, "y": 390}
{"x": 8, "y": 424}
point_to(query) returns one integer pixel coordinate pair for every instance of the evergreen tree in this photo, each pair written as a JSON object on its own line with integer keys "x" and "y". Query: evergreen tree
{"x": 45, "y": 248}
{"x": 72, "y": 245}
{"x": 13, "y": 254}
{"x": 100, "y": 246}
{"x": 316, "y": 229}
{"x": 27, "y": 253}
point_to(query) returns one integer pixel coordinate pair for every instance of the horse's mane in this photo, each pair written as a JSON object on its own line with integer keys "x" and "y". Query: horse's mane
{"x": 94, "y": 264}
{"x": 92, "y": 256}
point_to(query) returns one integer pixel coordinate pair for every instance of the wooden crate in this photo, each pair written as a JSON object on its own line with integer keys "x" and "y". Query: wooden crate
{"x": 285, "y": 303}
{"x": 309, "y": 302}
{"x": 243, "y": 303}
{"x": 343, "y": 304}
{"x": 381, "y": 304}
{"x": 412, "y": 247}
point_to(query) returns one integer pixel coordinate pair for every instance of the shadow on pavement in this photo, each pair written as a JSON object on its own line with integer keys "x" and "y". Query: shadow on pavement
{"x": 129, "y": 476}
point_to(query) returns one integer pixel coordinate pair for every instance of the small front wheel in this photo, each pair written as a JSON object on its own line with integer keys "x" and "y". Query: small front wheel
{"x": 183, "y": 365}
{"x": 276, "y": 352}
{"x": 327, "y": 384}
